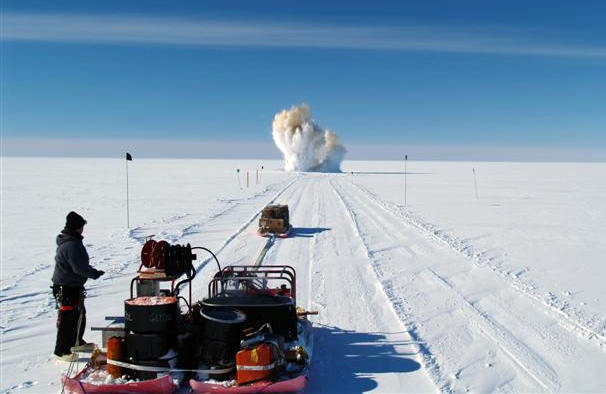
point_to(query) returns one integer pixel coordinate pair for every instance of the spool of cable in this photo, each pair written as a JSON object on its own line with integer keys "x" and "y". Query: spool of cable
{"x": 175, "y": 260}
{"x": 146, "y": 253}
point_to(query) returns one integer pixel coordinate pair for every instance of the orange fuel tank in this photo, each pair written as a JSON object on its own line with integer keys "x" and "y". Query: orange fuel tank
{"x": 254, "y": 364}
{"x": 114, "y": 352}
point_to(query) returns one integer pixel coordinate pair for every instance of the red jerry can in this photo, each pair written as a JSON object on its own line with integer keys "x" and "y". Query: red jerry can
{"x": 254, "y": 364}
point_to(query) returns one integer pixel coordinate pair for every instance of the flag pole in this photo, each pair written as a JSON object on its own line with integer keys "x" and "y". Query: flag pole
{"x": 405, "y": 175}
{"x": 128, "y": 158}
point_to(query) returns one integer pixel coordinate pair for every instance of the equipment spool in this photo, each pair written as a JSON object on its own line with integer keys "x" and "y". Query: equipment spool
{"x": 176, "y": 260}
{"x": 146, "y": 253}
{"x": 159, "y": 254}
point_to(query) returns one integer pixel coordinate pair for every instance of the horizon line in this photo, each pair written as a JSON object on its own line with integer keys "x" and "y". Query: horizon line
{"x": 266, "y": 150}
{"x": 603, "y": 161}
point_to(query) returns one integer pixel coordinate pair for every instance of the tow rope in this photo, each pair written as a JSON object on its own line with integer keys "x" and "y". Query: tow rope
{"x": 162, "y": 369}
{"x": 263, "y": 252}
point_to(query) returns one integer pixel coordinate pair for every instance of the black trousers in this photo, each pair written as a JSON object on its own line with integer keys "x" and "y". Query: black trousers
{"x": 71, "y": 310}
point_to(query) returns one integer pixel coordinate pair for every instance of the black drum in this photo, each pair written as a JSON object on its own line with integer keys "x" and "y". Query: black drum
{"x": 148, "y": 346}
{"x": 156, "y": 316}
{"x": 279, "y": 311}
{"x": 221, "y": 332}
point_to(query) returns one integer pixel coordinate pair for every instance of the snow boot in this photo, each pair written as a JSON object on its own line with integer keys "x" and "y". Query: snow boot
{"x": 69, "y": 357}
{"x": 85, "y": 347}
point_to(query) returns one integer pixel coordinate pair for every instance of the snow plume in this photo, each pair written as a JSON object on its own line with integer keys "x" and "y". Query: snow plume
{"x": 305, "y": 145}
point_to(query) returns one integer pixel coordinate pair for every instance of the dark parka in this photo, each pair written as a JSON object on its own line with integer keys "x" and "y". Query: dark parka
{"x": 71, "y": 261}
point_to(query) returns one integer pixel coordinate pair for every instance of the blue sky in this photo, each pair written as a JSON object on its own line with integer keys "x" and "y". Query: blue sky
{"x": 516, "y": 76}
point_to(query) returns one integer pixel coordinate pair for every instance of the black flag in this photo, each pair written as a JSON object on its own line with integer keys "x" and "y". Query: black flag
{"x": 129, "y": 157}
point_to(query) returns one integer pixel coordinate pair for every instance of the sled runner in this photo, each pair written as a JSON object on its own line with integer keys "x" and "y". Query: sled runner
{"x": 285, "y": 234}
{"x": 274, "y": 358}
{"x": 79, "y": 384}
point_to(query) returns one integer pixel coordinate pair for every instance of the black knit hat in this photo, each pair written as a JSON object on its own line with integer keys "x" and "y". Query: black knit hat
{"x": 73, "y": 221}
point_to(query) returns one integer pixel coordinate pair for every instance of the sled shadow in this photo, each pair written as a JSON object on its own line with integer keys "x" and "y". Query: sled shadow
{"x": 307, "y": 232}
{"x": 345, "y": 361}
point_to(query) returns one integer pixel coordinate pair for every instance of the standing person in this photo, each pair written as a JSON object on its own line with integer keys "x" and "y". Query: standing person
{"x": 72, "y": 270}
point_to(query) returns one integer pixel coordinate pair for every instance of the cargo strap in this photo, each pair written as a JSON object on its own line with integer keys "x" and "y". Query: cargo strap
{"x": 256, "y": 367}
{"x": 162, "y": 369}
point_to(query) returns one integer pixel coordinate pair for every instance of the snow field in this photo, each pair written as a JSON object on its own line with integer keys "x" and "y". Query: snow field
{"x": 447, "y": 294}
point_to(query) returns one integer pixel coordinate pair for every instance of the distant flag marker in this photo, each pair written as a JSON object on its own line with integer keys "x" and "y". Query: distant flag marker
{"x": 128, "y": 158}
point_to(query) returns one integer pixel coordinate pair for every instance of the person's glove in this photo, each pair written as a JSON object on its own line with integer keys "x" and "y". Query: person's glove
{"x": 99, "y": 273}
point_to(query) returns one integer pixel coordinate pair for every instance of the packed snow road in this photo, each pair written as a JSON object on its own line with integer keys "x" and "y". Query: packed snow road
{"x": 479, "y": 333}
{"x": 360, "y": 343}
{"x": 399, "y": 310}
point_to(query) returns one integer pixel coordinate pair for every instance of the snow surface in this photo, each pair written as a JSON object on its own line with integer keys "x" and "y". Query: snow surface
{"x": 448, "y": 293}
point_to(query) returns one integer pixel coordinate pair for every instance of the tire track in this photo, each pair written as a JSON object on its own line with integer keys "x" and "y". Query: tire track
{"x": 428, "y": 361}
{"x": 242, "y": 228}
{"x": 520, "y": 354}
{"x": 565, "y": 319}
{"x": 525, "y": 360}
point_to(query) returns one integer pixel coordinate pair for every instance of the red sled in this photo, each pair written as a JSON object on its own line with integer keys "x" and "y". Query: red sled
{"x": 251, "y": 282}
{"x": 279, "y": 235}
{"x": 285, "y": 384}
{"x": 161, "y": 385}
{"x": 295, "y": 385}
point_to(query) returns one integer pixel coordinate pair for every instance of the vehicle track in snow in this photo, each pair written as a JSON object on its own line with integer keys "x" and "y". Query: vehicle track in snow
{"x": 576, "y": 324}
{"x": 360, "y": 344}
{"x": 517, "y": 352}
{"x": 428, "y": 361}
{"x": 243, "y": 243}
{"x": 473, "y": 318}
{"x": 452, "y": 305}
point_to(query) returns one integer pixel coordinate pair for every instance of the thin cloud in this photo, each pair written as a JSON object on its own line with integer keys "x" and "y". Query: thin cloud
{"x": 173, "y": 31}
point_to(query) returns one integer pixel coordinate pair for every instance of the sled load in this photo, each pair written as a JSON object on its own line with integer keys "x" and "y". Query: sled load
{"x": 247, "y": 336}
{"x": 274, "y": 221}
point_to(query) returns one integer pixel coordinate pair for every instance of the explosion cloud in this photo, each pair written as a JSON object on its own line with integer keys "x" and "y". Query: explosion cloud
{"x": 305, "y": 145}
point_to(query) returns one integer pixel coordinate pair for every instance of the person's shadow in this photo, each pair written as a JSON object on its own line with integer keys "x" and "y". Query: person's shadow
{"x": 307, "y": 232}
{"x": 345, "y": 361}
